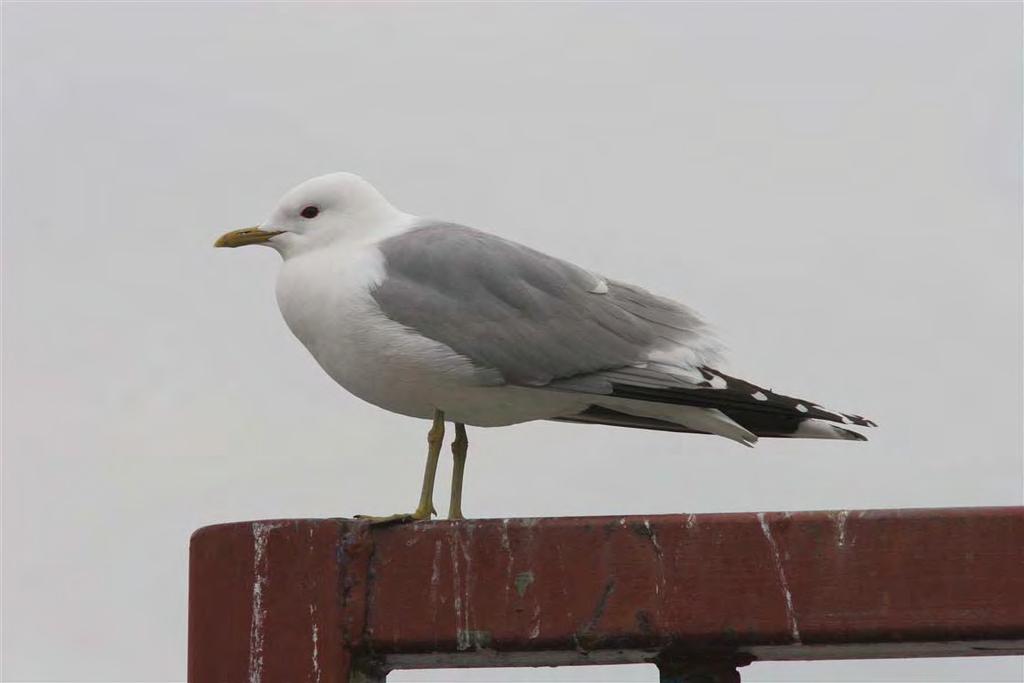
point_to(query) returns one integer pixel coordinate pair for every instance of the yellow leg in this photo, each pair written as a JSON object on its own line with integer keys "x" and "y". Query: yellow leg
{"x": 460, "y": 447}
{"x": 435, "y": 439}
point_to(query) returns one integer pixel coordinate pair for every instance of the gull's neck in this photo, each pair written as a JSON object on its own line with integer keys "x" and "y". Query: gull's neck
{"x": 393, "y": 223}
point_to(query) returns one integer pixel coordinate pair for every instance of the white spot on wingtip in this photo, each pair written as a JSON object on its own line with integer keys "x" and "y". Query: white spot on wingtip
{"x": 759, "y": 395}
{"x": 717, "y": 382}
{"x": 801, "y": 407}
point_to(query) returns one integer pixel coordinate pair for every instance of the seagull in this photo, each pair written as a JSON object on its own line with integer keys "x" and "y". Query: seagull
{"x": 443, "y": 322}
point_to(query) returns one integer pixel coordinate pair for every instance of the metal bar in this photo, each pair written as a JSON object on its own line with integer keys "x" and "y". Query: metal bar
{"x": 338, "y": 601}
{"x": 699, "y": 671}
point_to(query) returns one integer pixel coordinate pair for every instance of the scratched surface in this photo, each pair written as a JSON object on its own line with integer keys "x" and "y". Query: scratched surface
{"x": 309, "y": 600}
{"x": 276, "y": 600}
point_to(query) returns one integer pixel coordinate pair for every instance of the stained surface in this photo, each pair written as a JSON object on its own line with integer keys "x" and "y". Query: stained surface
{"x": 309, "y": 599}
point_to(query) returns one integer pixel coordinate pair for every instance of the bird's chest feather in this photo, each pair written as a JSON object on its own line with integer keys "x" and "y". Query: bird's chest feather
{"x": 325, "y": 300}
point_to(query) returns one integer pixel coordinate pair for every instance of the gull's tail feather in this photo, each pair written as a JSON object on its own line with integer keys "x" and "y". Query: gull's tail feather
{"x": 690, "y": 418}
{"x": 813, "y": 428}
{"x": 722, "y": 405}
{"x": 810, "y": 428}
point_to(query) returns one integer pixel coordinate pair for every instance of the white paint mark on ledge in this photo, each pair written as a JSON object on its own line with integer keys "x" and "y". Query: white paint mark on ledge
{"x": 316, "y": 647}
{"x": 653, "y": 536}
{"x": 259, "y": 580}
{"x": 790, "y": 612}
{"x": 535, "y": 622}
{"x": 841, "y": 518}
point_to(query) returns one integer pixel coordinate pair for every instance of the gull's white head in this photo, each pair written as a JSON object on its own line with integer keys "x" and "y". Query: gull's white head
{"x": 328, "y": 209}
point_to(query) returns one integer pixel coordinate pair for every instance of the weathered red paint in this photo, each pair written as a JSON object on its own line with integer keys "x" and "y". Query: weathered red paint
{"x": 315, "y": 600}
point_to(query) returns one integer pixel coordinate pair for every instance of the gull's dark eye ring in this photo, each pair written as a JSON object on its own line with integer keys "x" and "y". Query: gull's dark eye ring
{"x": 310, "y": 212}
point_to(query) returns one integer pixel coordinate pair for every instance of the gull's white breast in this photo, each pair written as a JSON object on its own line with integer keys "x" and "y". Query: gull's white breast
{"x": 324, "y": 296}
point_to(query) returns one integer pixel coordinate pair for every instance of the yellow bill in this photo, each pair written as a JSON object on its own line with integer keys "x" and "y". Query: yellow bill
{"x": 240, "y": 238}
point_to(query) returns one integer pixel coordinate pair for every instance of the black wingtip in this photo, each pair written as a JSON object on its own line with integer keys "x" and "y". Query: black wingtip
{"x": 859, "y": 420}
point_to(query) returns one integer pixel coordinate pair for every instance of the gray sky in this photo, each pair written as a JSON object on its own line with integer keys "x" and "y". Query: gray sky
{"x": 836, "y": 187}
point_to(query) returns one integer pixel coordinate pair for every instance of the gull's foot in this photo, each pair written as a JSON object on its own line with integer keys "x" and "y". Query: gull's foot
{"x": 400, "y": 518}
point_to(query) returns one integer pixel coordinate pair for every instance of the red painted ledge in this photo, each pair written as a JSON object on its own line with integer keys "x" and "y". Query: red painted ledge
{"x": 333, "y": 600}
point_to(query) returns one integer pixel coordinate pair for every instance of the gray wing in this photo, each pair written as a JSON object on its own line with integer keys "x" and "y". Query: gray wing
{"x": 534, "y": 318}
{"x": 541, "y": 321}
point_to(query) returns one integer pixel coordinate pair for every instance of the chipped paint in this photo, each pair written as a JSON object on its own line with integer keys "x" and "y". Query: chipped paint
{"x": 469, "y": 576}
{"x": 258, "y": 612}
{"x": 506, "y": 545}
{"x": 790, "y": 612}
{"x": 461, "y": 579}
{"x": 378, "y": 603}
{"x": 456, "y": 588}
{"x": 476, "y": 640}
{"x": 659, "y": 584}
{"x": 534, "y": 623}
{"x": 560, "y": 559}
{"x": 316, "y": 647}
{"x": 653, "y": 536}
{"x": 523, "y": 581}
{"x": 435, "y": 570}
{"x": 841, "y": 517}
{"x": 691, "y": 521}
{"x": 435, "y": 577}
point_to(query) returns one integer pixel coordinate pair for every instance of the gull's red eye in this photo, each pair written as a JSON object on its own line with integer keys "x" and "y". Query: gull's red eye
{"x": 310, "y": 212}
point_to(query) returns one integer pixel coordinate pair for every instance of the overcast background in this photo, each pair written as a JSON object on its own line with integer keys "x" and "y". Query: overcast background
{"x": 837, "y": 188}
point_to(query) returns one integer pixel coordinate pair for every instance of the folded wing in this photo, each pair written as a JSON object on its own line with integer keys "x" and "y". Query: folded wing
{"x": 545, "y": 323}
